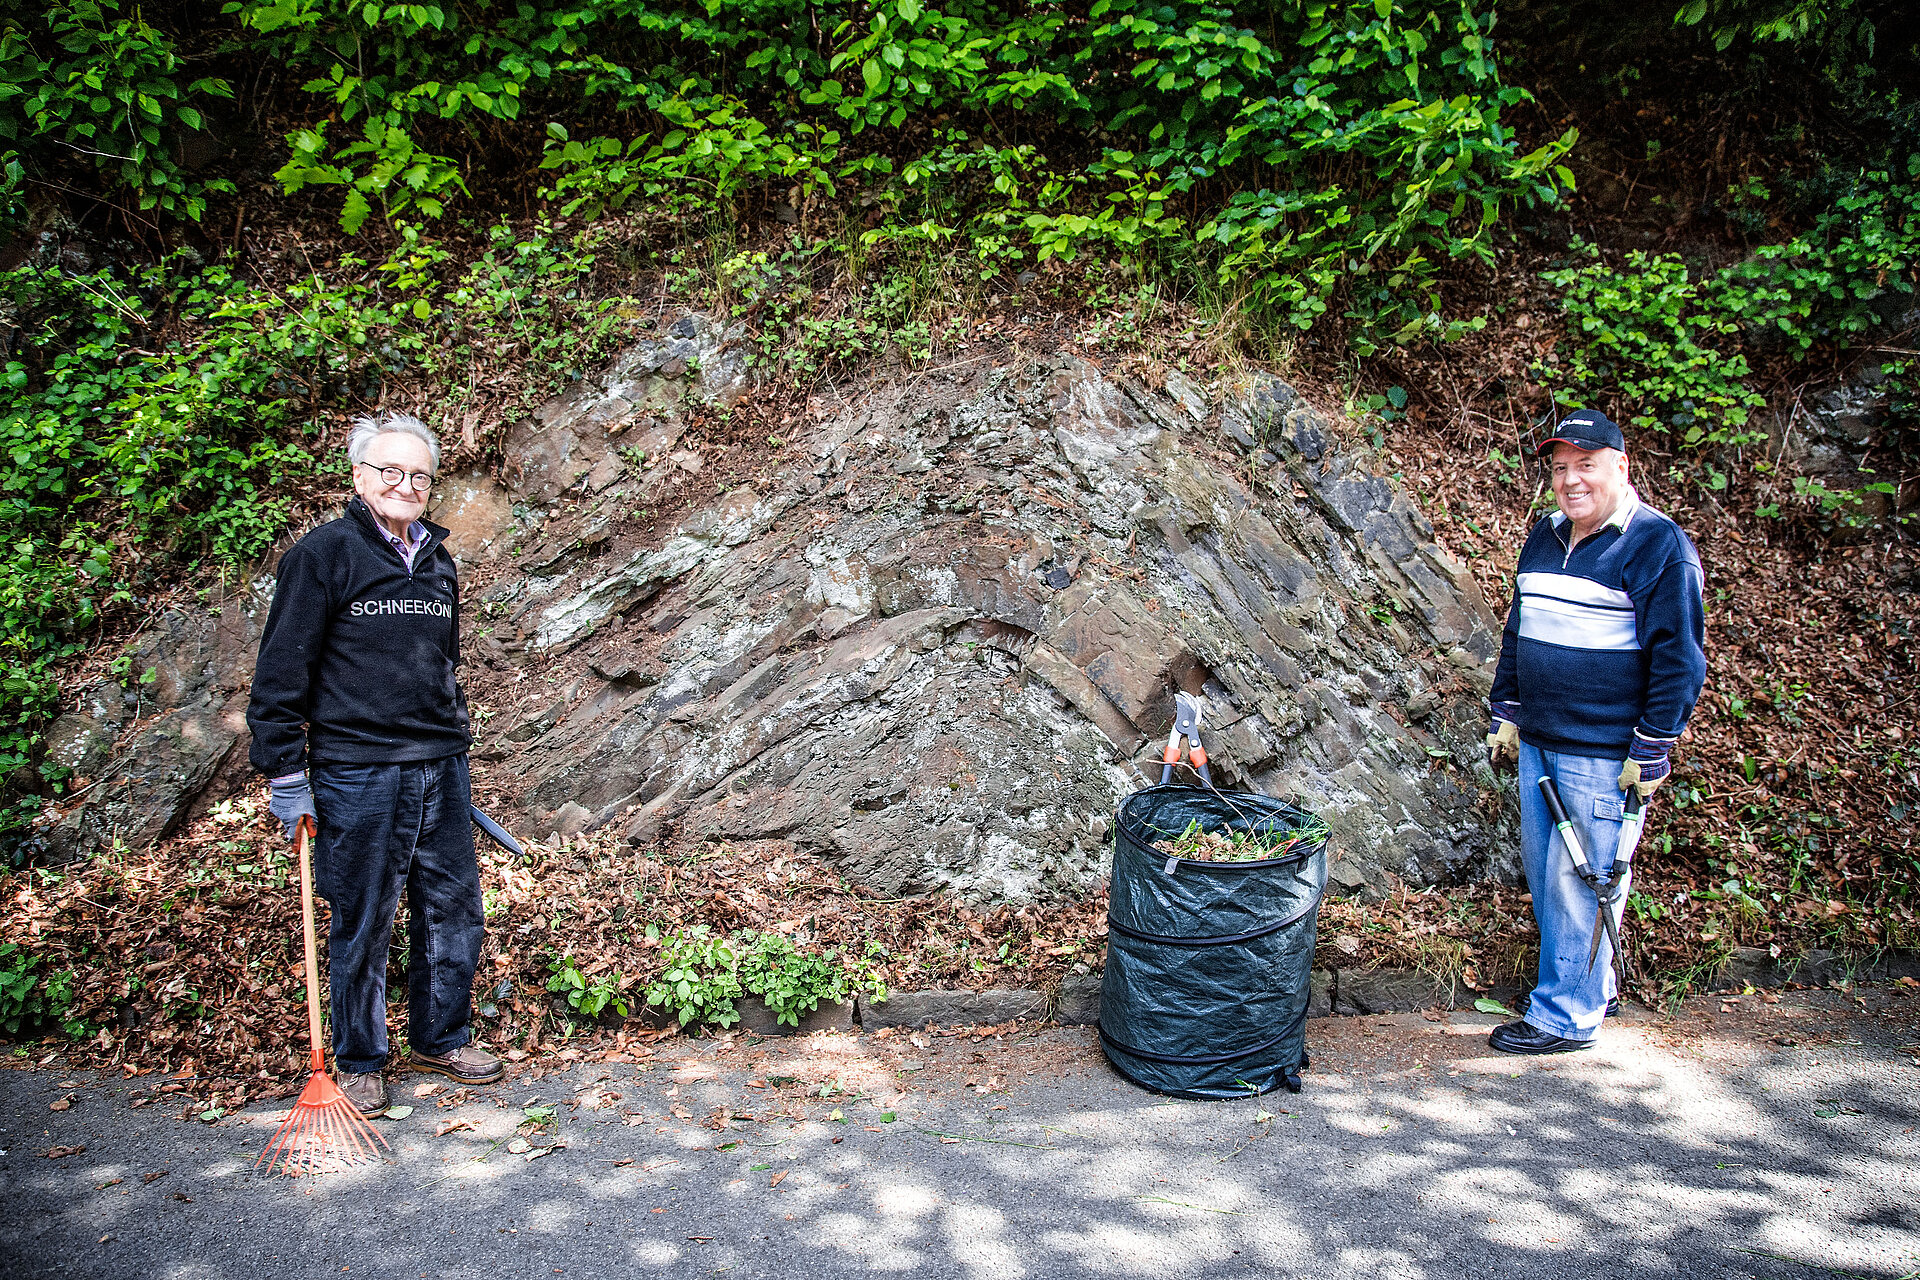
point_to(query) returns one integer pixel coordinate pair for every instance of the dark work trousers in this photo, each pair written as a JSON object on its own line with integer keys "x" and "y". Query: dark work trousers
{"x": 384, "y": 827}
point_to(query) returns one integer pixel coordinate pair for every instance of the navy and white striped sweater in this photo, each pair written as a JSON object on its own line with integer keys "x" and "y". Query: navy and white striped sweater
{"x": 1604, "y": 642}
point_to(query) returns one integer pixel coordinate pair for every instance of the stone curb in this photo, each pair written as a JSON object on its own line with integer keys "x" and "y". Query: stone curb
{"x": 1335, "y": 992}
{"x": 1759, "y": 967}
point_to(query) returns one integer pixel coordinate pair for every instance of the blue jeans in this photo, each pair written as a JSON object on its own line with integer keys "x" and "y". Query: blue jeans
{"x": 384, "y": 828}
{"x": 1570, "y": 1001}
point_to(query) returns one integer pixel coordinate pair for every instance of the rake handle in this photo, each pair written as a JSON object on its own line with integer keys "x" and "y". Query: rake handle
{"x": 319, "y": 1060}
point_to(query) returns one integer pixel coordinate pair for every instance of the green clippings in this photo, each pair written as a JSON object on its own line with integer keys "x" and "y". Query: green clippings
{"x": 887, "y": 1117}
{"x": 396, "y": 1113}
{"x": 756, "y": 1168}
{"x": 1276, "y": 840}
{"x": 1487, "y": 1004}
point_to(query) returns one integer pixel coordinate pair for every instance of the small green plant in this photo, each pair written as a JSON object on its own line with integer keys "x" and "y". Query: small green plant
{"x": 699, "y": 978}
{"x": 589, "y": 995}
{"x": 30, "y": 1000}
{"x": 794, "y": 984}
{"x": 703, "y": 975}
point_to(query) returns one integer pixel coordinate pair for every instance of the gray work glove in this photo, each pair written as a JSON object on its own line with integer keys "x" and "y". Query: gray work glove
{"x": 291, "y": 799}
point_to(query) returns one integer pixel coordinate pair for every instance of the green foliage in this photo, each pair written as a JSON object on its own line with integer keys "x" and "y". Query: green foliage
{"x": 589, "y": 996}
{"x": 30, "y": 1000}
{"x": 1842, "y": 28}
{"x": 1652, "y": 341}
{"x": 1851, "y": 271}
{"x": 794, "y": 983}
{"x": 701, "y": 976}
{"x": 1294, "y": 160}
{"x": 83, "y": 88}
{"x": 1666, "y": 348}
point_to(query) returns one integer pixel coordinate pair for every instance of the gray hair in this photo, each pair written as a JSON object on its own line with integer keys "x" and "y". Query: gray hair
{"x": 367, "y": 430}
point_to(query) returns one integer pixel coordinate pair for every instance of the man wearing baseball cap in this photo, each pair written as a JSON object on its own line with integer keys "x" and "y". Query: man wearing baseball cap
{"x": 1600, "y": 667}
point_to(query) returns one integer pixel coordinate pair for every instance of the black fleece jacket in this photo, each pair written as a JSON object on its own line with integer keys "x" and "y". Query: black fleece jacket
{"x": 357, "y": 660}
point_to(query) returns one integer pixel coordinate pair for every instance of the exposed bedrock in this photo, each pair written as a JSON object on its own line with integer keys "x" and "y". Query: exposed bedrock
{"x": 942, "y": 640}
{"x": 938, "y": 648}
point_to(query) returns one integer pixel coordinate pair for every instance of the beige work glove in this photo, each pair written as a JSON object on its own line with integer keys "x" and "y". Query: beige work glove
{"x": 1503, "y": 744}
{"x": 1633, "y": 773}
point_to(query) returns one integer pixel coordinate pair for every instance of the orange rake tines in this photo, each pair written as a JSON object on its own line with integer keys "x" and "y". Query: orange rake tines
{"x": 324, "y": 1127}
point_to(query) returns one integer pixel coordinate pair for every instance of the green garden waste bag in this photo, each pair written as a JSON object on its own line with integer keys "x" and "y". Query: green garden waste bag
{"x": 1209, "y": 964}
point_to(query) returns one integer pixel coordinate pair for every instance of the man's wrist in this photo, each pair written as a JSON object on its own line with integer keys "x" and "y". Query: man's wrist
{"x": 1646, "y": 748}
{"x": 1504, "y": 712}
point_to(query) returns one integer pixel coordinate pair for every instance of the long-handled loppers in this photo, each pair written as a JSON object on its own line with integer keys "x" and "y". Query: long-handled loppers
{"x": 1187, "y": 710}
{"x": 1606, "y": 888}
{"x": 324, "y": 1126}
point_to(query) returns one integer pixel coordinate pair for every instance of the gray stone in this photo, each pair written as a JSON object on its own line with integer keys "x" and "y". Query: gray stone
{"x": 1893, "y": 965}
{"x": 755, "y": 1017}
{"x": 1388, "y": 991}
{"x": 806, "y": 663}
{"x": 1320, "y": 995}
{"x": 477, "y": 512}
{"x": 571, "y": 819}
{"x": 155, "y": 757}
{"x": 1078, "y": 1004}
{"x": 952, "y": 1008}
{"x": 1758, "y": 967}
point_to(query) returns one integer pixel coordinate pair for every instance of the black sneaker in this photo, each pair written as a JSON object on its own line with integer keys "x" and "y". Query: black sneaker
{"x": 1524, "y": 1037}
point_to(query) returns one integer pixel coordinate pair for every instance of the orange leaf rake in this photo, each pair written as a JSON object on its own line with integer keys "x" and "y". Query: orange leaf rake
{"x": 324, "y": 1127}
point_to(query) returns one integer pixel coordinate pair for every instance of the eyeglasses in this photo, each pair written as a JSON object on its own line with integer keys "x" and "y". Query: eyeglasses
{"x": 393, "y": 476}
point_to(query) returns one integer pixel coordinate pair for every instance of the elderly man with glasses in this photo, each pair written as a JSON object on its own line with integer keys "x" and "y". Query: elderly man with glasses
{"x": 360, "y": 724}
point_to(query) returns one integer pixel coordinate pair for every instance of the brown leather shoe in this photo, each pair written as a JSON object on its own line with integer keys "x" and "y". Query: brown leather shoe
{"x": 367, "y": 1092}
{"x": 466, "y": 1064}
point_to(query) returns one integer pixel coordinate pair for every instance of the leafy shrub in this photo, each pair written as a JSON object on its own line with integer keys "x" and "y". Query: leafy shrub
{"x": 590, "y": 996}
{"x": 29, "y": 1000}
{"x": 82, "y": 86}
{"x": 1291, "y": 159}
{"x": 1649, "y": 339}
{"x": 1668, "y": 347}
{"x": 702, "y": 976}
{"x": 699, "y": 978}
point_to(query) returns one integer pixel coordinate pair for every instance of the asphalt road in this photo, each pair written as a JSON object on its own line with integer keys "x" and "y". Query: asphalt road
{"x": 1762, "y": 1140}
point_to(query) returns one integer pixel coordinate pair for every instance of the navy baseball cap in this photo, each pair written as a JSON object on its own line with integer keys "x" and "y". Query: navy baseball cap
{"x": 1585, "y": 429}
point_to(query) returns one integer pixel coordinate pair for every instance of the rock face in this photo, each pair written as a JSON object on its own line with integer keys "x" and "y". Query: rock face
{"x": 937, "y": 647}
{"x": 939, "y": 638}
{"x": 145, "y": 749}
